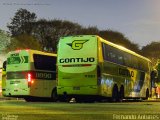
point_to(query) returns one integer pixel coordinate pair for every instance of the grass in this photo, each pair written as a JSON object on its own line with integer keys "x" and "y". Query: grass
{"x": 22, "y": 110}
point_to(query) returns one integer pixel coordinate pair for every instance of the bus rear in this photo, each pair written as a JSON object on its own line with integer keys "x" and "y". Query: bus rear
{"x": 31, "y": 73}
{"x": 77, "y": 66}
{"x": 18, "y": 74}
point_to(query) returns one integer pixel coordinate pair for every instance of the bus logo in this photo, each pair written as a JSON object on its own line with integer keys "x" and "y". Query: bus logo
{"x": 77, "y": 44}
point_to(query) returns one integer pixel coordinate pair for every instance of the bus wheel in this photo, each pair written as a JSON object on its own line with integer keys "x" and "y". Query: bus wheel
{"x": 30, "y": 99}
{"x": 115, "y": 96}
{"x": 54, "y": 94}
{"x": 79, "y": 100}
{"x": 121, "y": 93}
{"x": 27, "y": 99}
{"x": 147, "y": 93}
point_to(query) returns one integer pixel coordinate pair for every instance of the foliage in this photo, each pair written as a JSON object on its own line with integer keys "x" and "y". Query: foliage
{"x": 23, "y": 41}
{"x": 118, "y": 38}
{"x": 4, "y": 39}
{"x": 152, "y": 51}
{"x": 21, "y": 23}
{"x": 49, "y": 32}
{"x": 88, "y": 31}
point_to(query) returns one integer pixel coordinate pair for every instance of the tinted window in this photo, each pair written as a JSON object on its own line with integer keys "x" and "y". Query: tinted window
{"x": 127, "y": 59}
{"x": 44, "y": 62}
{"x": 118, "y": 56}
{"x": 109, "y": 53}
{"x": 112, "y": 54}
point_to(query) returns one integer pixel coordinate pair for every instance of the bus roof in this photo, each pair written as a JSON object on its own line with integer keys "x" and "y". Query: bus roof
{"x": 112, "y": 44}
{"x": 32, "y": 51}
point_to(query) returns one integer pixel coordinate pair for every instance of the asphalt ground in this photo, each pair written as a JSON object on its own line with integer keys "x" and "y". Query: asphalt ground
{"x": 18, "y": 109}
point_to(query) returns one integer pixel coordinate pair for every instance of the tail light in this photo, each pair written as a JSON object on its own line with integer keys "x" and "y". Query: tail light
{"x": 29, "y": 79}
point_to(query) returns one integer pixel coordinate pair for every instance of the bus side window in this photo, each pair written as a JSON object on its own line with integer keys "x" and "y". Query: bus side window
{"x": 4, "y": 65}
{"x": 109, "y": 53}
{"x": 127, "y": 59}
{"x": 44, "y": 62}
{"x": 134, "y": 62}
{"x": 120, "y": 57}
{"x": 113, "y": 57}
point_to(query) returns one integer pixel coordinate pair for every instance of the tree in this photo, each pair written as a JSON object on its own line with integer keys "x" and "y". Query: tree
{"x": 23, "y": 42}
{"x": 152, "y": 51}
{"x": 4, "y": 39}
{"x": 88, "y": 31}
{"x": 118, "y": 38}
{"x": 21, "y": 23}
{"x": 49, "y": 32}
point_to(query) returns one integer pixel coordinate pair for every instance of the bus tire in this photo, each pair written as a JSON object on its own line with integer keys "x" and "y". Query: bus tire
{"x": 147, "y": 93}
{"x": 28, "y": 99}
{"x": 115, "y": 96}
{"x": 121, "y": 93}
{"x": 31, "y": 99}
{"x": 54, "y": 96}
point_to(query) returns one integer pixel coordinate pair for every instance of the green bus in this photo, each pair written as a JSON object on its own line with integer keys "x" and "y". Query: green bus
{"x": 30, "y": 74}
{"x": 91, "y": 68}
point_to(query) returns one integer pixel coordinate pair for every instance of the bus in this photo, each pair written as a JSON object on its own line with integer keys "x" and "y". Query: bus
{"x": 91, "y": 68}
{"x": 31, "y": 74}
{"x": 2, "y": 72}
{"x": 0, "y": 81}
{"x": 3, "y": 82}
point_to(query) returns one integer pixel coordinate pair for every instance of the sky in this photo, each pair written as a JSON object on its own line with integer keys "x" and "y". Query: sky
{"x": 138, "y": 20}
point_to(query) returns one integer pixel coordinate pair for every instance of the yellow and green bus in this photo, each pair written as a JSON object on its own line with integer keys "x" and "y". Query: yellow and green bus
{"x": 0, "y": 81}
{"x": 91, "y": 68}
{"x": 30, "y": 74}
{"x": 3, "y": 78}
